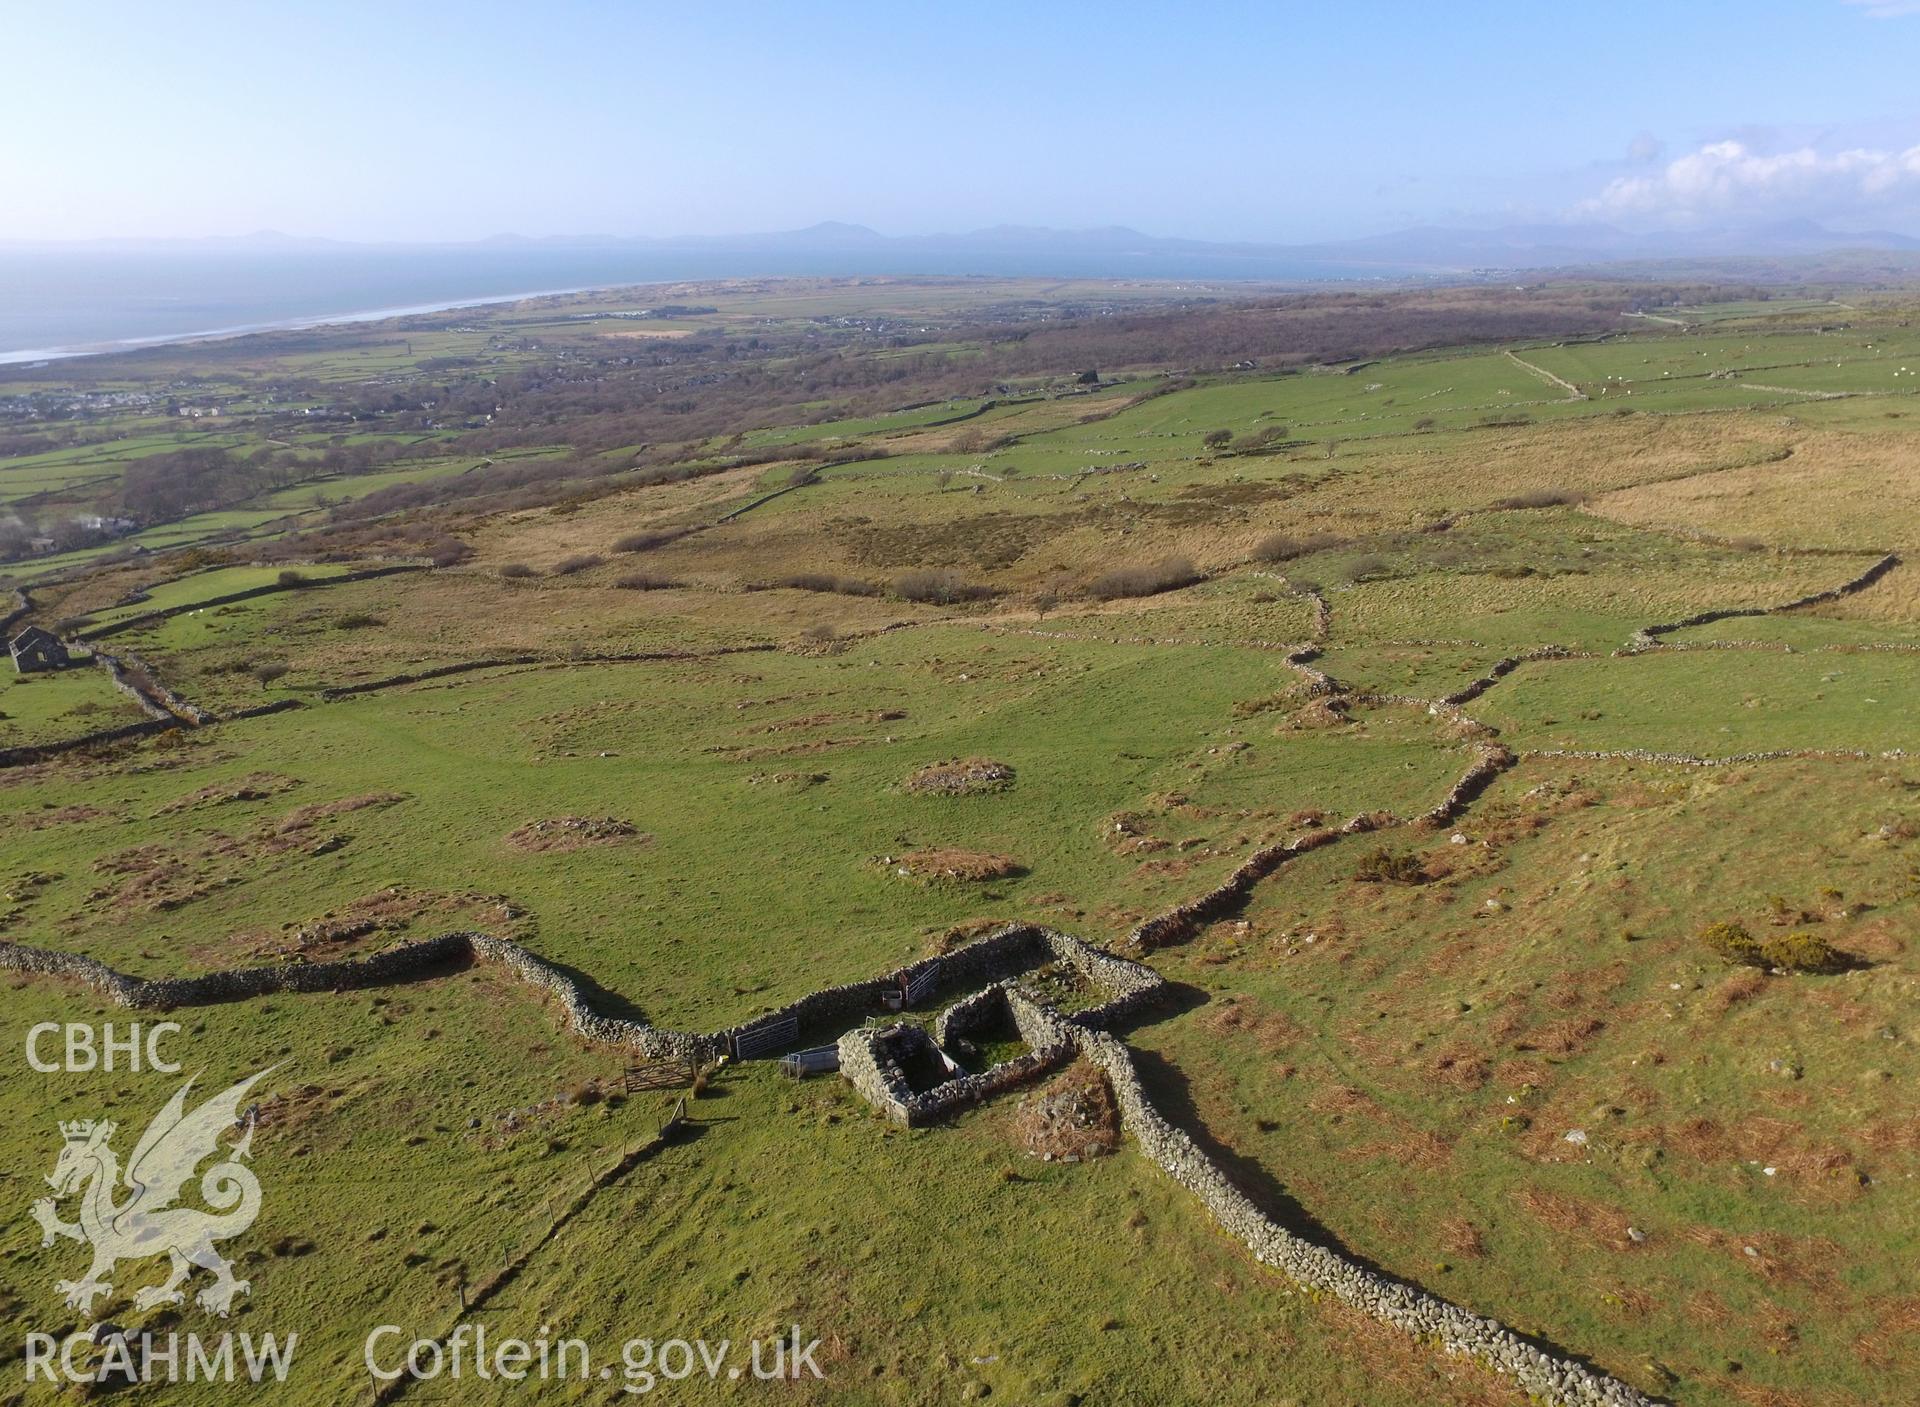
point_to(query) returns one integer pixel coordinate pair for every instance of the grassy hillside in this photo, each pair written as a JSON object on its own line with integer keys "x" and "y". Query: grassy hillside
{"x": 673, "y": 702}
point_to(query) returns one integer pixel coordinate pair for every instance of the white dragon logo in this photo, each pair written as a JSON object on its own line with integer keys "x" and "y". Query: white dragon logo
{"x": 147, "y": 1223}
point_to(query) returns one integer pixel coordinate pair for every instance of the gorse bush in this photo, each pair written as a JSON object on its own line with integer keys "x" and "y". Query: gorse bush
{"x": 1802, "y": 952}
{"x": 581, "y": 562}
{"x": 1732, "y": 942}
{"x": 1385, "y": 866}
{"x": 516, "y": 571}
{"x": 1790, "y": 952}
{"x": 1168, "y": 574}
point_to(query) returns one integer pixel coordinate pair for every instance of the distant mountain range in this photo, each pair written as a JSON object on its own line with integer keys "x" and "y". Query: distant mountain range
{"x": 1432, "y": 249}
{"x": 1439, "y": 248}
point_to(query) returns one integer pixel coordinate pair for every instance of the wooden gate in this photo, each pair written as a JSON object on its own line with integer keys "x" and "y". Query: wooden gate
{"x": 659, "y": 1074}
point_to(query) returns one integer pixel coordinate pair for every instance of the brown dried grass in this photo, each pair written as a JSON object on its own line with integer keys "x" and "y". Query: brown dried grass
{"x": 939, "y": 864}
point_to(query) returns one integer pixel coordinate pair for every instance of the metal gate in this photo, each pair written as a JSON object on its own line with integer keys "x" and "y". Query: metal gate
{"x": 768, "y": 1035}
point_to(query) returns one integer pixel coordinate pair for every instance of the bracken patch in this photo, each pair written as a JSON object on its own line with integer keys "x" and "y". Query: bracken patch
{"x": 945, "y": 863}
{"x": 1072, "y": 1117}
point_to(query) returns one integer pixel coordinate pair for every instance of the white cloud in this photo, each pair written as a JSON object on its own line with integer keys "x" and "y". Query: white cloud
{"x": 1885, "y": 9}
{"x": 1732, "y": 180}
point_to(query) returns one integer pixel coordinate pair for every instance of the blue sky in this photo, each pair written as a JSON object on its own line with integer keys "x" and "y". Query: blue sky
{"x": 416, "y": 119}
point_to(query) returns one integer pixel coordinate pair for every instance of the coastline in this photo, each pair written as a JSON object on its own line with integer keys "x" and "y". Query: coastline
{"x": 227, "y": 292}
{"x": 45, "y": 356}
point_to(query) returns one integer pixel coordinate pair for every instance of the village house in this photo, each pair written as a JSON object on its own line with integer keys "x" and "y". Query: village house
{"x": 34, "y": 649}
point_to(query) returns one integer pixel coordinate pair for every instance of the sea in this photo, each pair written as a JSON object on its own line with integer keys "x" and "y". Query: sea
{"x": 67, "y": 303}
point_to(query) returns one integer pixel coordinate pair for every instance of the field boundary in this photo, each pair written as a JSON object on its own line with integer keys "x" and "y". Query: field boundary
{"x": 102, "y": 632}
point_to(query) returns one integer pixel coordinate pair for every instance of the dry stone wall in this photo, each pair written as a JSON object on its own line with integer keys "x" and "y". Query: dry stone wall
{"x": 1494, "y": 759}
{"x": 397, "y": 964}
{"x": 971, "y": 1013}
{"x": 27, "y": 753}
{"x": 1319, "y": 682}
{"x": 17, "y": 612}
{"x": 1013, "y": 949}
{"x": 1501, "y": 668}
{"x": 395, "y": 681}
{"x": 101, "y": 632}
{"x": 140, "y": 676}
{"x": 1686, "y": 759}
{"x": 871, "y": 1062}
{"x": 865, "y": 1064}
{"x": 262, "y": 710}
{"x": 1183, "y": 920}
{"x": 1325, "y": 1271}
{"x": 945, "y": 1100}
{"x": 1647, "y": 637}
{"x": 122, "y": 680}
{"x": 871, "y": 1059}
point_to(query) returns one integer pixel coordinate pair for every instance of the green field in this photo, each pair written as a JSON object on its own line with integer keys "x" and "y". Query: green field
{"x": 1114, "y": 600}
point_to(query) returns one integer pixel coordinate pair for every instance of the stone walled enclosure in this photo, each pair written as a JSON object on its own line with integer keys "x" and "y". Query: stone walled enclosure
{"x": 1052, "y": 1039}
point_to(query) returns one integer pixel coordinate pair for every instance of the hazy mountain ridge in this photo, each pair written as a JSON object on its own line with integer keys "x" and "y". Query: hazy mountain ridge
{"x": 1439, "y": 248}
